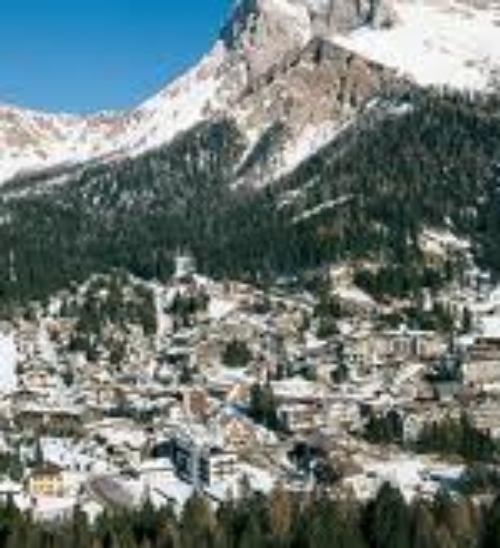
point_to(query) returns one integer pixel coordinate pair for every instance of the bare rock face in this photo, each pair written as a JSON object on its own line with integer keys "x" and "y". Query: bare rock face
{"x": 320, "y": 82}
{"x": 263, "y": 32}
{"x": 309, "y": 96}
{"x": 343, "y": 16}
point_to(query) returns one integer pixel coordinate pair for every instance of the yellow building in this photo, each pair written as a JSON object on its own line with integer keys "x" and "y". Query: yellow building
{"x": 46, "y": 481}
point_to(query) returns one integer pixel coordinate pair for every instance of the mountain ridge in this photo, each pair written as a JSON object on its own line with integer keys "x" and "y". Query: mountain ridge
{"x": 257, "y": 39}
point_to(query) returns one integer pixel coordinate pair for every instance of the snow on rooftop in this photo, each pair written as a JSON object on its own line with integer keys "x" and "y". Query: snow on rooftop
{"x": 220, "y": 308}
{"x": 296, "y": 387}
{"x": 260, "y": 479}
{"x": 445, "y": 238}
{"x": 228, "y": 376}
{"x": 65, "y": 453}
{"x": 170, "y": 490}
{"x": 408, "y": 373}
{"x": 490, "y": 327}
{"x": 403, "y": 472}
{"x": 355, "y": 295}
{"x": 411, "y": 474}
{"x": 7, "y": 486}
{"x": 53, "y": 508}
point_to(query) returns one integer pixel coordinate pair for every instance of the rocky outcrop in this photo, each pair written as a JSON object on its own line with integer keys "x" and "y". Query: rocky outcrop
{"x": 305, "y": 100}
{"x": 262, "y": 32}
{"x": 344, "y": 16}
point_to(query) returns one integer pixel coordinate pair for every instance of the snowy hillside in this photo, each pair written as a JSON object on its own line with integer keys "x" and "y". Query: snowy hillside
{"x": 31, "y": 141}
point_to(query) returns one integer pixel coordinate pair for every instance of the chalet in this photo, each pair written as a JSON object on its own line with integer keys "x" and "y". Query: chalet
{"x": 482, "y": 365}
{"x": 238, "y": 431}
{"x": 299, "y": 417}
{"x": 197, "y": 403}
{"x": 405, "y": 344}
{"x": 46, "y": 480}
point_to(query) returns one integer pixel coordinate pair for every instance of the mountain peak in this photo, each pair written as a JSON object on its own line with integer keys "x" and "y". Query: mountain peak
{"x": 263, "y": 31}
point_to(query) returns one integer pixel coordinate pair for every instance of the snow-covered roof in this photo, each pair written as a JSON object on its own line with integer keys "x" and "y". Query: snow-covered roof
{"x": 355, "y": 295}
{"x": 7, "y": 486}
{"x": 296, "y": 387}
{"x": 53, "y": 508}
{"x": 490, "y": 327}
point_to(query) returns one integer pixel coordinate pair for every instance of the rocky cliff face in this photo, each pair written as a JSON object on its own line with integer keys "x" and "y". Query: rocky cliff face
{"x": 345, "y": 16}
{"x": 310, "y": 96}
{"x": 263, "y": 31}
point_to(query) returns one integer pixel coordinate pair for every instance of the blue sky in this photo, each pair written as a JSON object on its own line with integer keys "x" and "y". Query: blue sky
{"x": 89, "y": 55}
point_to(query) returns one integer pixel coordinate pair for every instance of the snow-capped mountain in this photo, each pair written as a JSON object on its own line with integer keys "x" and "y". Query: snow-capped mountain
{"x": 32, "y": 141}
{"x": 306, "y": 66}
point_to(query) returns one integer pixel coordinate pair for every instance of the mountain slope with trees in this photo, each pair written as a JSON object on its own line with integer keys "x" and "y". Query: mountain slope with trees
{"x": 415, "y": 160}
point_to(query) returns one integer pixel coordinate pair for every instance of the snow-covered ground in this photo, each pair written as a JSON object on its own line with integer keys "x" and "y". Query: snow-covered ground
{"x": 53, "y": 508}
{"x": 219, "y": 308}
{"x": 413, "y": 475}
{"x": 8, "y": 362}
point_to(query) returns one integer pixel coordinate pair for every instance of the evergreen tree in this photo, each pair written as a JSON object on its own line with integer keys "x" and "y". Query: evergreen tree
{"x": 263, "y": 407}
{"x": 491, "y": 534}
{"x": 251, "y": 536}
{"x": 281, "y": 514}
{"x": 198, "y": 523}
{"x": 387, "y": 520}
{"x": 236, "y": 354}
{"x": 423, "y": 529}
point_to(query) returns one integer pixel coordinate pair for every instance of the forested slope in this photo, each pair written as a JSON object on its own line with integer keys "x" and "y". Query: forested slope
{"x": 416, "y": 160}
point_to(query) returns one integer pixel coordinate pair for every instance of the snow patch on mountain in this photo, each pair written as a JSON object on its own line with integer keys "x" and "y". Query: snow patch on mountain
{"x": 189, "y": 100}
{"x": 312, "y": 139}
{"x": 443, "y": 44}
{"x": 294, "y": 11}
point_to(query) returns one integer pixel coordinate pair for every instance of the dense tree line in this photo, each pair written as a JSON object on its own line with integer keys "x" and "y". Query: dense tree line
{"x": 283, "y": 520}
{"x": 427, "y": 158}
{"x": 456, "y": 437}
